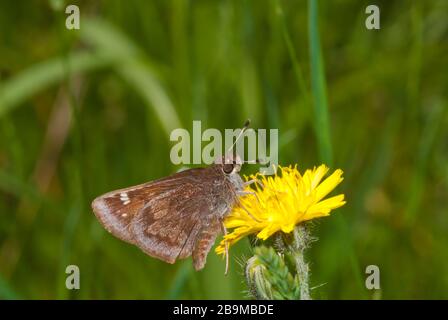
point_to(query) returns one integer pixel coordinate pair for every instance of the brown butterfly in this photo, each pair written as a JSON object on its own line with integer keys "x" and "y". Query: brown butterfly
{"x": 176, "y": 216}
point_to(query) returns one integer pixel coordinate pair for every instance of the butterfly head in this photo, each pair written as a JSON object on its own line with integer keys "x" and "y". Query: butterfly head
{"x": 230, "y": 163}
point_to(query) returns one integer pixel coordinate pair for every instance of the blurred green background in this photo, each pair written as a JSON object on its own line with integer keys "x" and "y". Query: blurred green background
{"x": 83, "y": 112}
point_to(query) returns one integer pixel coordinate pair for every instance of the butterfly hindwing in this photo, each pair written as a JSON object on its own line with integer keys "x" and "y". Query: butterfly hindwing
{"x": 168, "y": 230}
{"x": 204, "y": 242}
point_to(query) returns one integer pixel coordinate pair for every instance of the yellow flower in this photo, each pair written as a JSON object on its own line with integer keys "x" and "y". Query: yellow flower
{"x": 281, "y": 203}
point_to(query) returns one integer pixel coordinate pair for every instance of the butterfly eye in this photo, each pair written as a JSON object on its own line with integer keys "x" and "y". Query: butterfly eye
{"x": 227, "y": 168}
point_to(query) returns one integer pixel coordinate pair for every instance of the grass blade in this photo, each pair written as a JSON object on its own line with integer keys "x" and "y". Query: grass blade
{"x": 45, "y": 74}
{"x": 319, "y": 91}
{"x": 322, "y": 125}
{"x": 135, "y": 70}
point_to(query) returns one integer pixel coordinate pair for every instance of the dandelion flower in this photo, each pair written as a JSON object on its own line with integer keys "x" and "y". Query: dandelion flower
{"x": 281, "y": 202}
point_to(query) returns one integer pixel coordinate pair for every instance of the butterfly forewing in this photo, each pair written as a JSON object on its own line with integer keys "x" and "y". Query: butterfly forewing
{"x": 116, "y": 209}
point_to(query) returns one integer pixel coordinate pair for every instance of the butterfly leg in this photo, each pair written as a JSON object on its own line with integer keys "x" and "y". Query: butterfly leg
{"x": 237, "y": 195}
{"x": 224, "y": 231}
{"x": 248, "y": 183}
{"x": 245, "y": 193}
{"x": 247, "y": 211}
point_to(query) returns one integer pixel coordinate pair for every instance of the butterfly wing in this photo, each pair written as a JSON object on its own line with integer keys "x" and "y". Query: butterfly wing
{"x": 115, "y": 210}
{"x": 168, "y": 228}
{"x": 204, "y": 242}
{"x": 166, "y": 218}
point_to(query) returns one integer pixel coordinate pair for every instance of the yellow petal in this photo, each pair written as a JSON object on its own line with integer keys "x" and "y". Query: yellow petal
{"x": 317, "y": 175}
{"x": 328, "y": 184}
{"x": 327, "y": 205}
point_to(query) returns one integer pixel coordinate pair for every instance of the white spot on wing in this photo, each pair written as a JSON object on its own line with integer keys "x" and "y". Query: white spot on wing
{"x": 125, "y": 198}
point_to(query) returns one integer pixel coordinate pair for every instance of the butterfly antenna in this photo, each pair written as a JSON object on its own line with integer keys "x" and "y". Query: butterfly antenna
{"x": 256, "y": 161}
{"x": 246, "y": 125}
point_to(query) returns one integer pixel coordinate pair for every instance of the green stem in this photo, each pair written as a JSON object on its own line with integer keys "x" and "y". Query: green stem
{"x": 299, "y": 245}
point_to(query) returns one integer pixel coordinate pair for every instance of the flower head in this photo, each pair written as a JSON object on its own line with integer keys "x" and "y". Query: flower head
{"x": 280, "y": 202}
